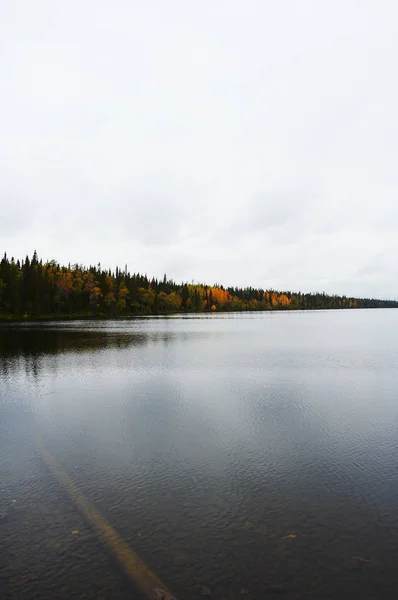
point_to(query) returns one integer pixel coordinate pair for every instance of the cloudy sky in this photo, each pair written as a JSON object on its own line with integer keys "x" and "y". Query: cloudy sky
{"x": 245, "y": 142}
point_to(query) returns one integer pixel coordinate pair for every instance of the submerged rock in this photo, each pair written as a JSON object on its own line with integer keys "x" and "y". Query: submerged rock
{"x": 161, "y": 594}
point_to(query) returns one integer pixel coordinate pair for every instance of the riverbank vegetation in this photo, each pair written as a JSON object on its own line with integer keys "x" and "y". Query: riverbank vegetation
{"x": 31, "y": 288}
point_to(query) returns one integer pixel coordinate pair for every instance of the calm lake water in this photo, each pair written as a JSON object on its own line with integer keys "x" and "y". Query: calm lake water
{"x": 240, "y": 455}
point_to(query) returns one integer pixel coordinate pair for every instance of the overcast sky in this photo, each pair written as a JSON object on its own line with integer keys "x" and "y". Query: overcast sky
{"x": 240, "y": 142}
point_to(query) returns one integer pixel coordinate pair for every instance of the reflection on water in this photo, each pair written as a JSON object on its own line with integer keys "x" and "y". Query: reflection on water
{"x": 34, "y": 344}
{"x": 34, "y": 341}
{"x": 239, "y": 455}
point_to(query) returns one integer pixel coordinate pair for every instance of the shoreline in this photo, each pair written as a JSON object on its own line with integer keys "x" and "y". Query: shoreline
{"x": 72, "y": 317}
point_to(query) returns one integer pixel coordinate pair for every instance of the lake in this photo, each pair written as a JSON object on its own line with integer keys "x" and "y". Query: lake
{"x": 239, "y": 455}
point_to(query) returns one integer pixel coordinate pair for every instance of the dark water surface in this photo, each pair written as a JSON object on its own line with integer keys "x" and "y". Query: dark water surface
{"x": 204, "y": 441}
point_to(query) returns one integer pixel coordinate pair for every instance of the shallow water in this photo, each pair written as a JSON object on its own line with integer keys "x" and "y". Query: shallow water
{"x": 205, "y": 441}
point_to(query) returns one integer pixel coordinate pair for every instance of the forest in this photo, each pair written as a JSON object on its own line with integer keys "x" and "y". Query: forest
{"x": 31, "y": 288}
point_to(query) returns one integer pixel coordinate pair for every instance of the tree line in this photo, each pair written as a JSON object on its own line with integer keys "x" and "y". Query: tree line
{"x": 32, "y": 288}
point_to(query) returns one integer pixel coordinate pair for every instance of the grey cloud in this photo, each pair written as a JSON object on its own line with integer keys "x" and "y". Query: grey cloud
{"x": 282, "y": 209}
{"x": 250, "y": 143}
